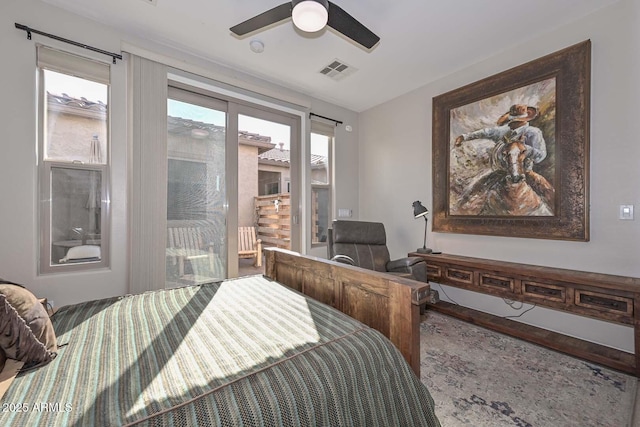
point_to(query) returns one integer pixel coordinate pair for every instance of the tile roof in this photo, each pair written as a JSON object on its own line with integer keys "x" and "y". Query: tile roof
{"x": 84, "y": 103}
{"x": 279, "y": 155}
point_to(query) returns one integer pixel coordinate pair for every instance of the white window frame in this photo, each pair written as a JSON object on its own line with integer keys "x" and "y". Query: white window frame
{"x": 327, "y": 130}
{"x": 89, "y": 69}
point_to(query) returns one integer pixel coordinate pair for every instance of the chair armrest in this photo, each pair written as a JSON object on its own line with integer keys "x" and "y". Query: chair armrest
{"x": 415, "y": 266}
{"x": 403, "y": 263}
{"x": 344, "y": 259}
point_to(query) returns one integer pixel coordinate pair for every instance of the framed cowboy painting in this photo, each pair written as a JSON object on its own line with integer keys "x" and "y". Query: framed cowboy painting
{"x": 511, "y": 151}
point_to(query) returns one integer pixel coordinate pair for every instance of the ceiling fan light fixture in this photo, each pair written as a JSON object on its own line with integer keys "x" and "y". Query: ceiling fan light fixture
{"x": 310, "y": 15}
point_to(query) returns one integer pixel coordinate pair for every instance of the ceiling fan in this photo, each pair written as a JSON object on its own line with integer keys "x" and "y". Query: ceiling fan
{"x": 311, "y": 16}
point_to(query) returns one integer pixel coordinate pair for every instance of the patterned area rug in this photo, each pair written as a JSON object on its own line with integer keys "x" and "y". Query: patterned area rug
{"x": 480, "y": 378}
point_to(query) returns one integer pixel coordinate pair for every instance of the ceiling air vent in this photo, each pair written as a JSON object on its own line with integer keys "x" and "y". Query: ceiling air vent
{"x": 338, "y": 70}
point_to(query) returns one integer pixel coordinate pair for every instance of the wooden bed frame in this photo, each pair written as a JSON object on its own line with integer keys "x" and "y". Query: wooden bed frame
{"x": 385, "y": 302}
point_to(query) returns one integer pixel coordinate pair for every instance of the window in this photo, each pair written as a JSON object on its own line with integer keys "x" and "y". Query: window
{"x": 73, "y": 161}
{"x": 187, "y": 190}
{"x": 268, "y": 182}
{"x": 321, "y": 144}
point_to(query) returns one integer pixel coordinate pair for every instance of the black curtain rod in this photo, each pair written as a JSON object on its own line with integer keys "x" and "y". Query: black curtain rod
{"x": 337, "y": 122}
{"x": 114, "y": 56}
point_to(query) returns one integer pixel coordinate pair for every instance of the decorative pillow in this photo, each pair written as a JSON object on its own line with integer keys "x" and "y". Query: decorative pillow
{"x": 17, "y": 340}
{"x": 33, "y": 313}
{"x": 3, "y": 359}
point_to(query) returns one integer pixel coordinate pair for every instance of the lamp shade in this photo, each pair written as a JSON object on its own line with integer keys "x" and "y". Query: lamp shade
{"x": 419, "y": 210}
{"x": 310, "y": 15}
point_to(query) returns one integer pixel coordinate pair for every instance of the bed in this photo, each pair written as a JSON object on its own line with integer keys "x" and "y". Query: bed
{"x": 248, "y": 351}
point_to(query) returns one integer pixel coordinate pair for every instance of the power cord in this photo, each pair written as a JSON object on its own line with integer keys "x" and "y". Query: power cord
{"x": 518, "y": 315}
{"x": 512, "y": 304}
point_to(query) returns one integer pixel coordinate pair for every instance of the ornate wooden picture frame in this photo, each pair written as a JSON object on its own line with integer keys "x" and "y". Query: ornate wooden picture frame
{"x": 511, "y": 151}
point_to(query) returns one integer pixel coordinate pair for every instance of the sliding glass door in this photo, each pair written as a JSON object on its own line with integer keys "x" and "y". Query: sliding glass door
{"x": 196, "y": 189}
{"x": 230, "y": 165}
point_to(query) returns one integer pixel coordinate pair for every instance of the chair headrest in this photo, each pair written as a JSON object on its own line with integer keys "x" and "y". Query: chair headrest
{"x": 359, "y": 232}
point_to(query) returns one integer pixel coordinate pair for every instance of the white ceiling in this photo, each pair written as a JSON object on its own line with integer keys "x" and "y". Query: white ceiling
{"x": 421, "y": 40}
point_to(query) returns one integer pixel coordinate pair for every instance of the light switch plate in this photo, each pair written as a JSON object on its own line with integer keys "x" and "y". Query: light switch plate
{"x": 345, "y": 213}
{"x": 626, "y": 211}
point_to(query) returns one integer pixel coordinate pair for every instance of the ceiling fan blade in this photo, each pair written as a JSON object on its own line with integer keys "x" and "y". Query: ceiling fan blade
{"x": 346, "y": 24}
{"x": 265, "y": 19}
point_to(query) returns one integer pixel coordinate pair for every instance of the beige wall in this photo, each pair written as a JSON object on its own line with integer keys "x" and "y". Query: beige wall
{"x": 397, "y": 169}
{"x": 82, "y": 130}
{"x": 247, "y": 184}
{"x": 319, "y": 174}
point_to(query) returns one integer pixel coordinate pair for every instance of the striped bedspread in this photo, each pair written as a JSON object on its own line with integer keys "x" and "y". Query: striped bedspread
{"x": 243, "y": 352}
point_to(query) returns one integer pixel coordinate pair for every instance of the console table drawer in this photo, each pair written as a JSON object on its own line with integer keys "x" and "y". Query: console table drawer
{"x": 496, "y": 282}
{"x": 434, "y": 272}
{"x": 611, "y": 304}
{"x": 459, "y": 275}
{"x": 544, "y": 291}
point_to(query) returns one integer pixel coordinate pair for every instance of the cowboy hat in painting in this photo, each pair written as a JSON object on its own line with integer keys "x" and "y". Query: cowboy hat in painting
{"x": 518, "y": 113}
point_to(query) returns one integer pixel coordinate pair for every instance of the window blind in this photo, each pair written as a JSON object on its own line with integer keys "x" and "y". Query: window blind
{"x": 322, "y": 128}
{"x": 148, "y": 167}
{"x": 56, "y": 60}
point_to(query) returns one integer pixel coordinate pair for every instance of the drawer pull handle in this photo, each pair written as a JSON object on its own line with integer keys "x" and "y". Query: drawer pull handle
{"x": 603, "y": 302}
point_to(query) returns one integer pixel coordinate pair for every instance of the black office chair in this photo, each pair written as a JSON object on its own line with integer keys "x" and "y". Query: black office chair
{"x": 364, "y": 244}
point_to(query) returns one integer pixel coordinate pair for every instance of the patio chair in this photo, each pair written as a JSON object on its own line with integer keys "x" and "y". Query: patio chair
{"x": 249, "y": 246}
{"x": 186, "y": 246}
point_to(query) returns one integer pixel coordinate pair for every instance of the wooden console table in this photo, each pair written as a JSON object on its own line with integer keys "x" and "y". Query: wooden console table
{"x": 601, "y": 296}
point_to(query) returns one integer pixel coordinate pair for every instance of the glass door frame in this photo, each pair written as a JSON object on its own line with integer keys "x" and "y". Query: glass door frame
{"x": 293, "y": 122}
{"x": 189, "y": 96}
{"x": 234, "y": 107}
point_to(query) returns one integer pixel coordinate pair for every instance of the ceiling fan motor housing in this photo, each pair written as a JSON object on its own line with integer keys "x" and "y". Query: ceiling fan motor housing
{"x": 325, "y": 3}
{"x": 310, "y": 15}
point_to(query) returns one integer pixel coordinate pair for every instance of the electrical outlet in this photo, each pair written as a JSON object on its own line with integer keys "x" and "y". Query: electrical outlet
{"x": 345, "y": 213}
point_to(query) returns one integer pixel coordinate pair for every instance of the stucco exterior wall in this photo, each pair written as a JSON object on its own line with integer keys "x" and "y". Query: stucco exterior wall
{"x": 247, "y": 184}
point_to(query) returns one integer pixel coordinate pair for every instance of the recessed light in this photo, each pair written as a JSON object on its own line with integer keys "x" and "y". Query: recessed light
{"x": 256, "y": 46}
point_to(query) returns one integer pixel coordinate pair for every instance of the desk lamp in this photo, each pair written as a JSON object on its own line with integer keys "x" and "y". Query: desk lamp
{"x": 421, "y": 211}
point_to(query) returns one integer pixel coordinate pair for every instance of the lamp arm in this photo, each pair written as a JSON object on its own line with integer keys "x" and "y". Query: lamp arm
{"x": 424, "y": 244}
